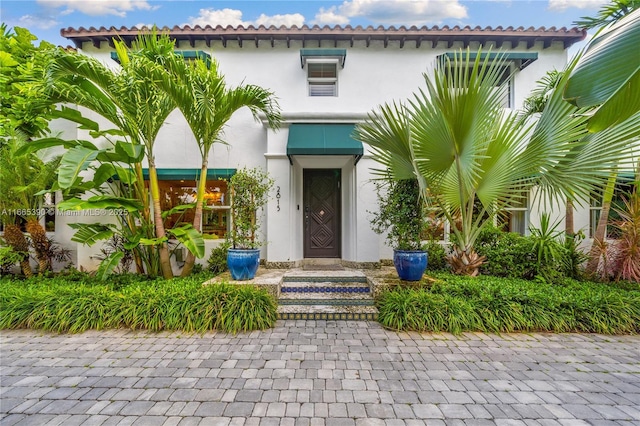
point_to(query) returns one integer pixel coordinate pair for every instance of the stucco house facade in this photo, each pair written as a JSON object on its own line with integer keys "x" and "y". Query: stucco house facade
{"x": 326, "y": 80}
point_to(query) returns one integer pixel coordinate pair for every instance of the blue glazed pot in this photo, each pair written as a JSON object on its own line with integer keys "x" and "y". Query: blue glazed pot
{"x": 243, "y": 264}
{"x": 410, "y": 264}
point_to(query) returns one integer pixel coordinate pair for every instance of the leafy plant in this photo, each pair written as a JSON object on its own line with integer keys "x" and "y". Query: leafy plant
{"x": 437, "y": 256}
{"x": 249, "y": 192}
{"x": 547, "y": 244}
{"x": 24, "y": 108}
{"x": 474, "y": 159}
{"x": 8, "y": 258}
{"x": 217, "y": 262}
{"x": 400, "y": 213}
{"x": 625, "y": 261}
{"x": 207, "y": 103}
{"x": 508, "y": 254}
{"x": 490, "y": 304}
{"x": 67, "y": 304}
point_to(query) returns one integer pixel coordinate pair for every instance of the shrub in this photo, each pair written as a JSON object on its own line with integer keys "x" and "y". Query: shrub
{"x": 508, "y": 254}
{"x": 437, "y": 256}
{"x": 491, "y": 304}
{"x": 217, "y": 262}
{"x": 179, "y": 304}
{"x": 8, "y": 258}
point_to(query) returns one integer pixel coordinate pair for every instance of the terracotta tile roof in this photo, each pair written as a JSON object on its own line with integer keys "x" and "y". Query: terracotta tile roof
{"x": 313, "y": 36}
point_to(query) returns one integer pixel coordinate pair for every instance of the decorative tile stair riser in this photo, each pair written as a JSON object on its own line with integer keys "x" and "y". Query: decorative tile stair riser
{"x": 326, "y": 298}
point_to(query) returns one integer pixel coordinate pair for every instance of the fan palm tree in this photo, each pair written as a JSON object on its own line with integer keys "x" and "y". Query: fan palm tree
{"x": 207, "y": 103}
{"x": 128, "y": 99}
{"x": 473, "y": 159}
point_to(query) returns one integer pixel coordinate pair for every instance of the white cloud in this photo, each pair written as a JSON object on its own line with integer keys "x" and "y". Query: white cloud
{"x": 233, "y": 17}
{"x": 397, "y": 12}
{"x": 99, "y": 7}
{"x": 330, "y": 17}
{"x": 287, "y": 20}
{"x": 30, "y": 21}
{"x": 562, "y": 5}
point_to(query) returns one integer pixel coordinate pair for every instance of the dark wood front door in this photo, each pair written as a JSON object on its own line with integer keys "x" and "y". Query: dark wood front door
{"x": 322, "y": 213}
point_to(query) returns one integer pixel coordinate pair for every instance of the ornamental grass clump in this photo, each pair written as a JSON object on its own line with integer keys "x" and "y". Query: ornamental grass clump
{"x": 491, "y": 304}
{"x": 180, "y": 304}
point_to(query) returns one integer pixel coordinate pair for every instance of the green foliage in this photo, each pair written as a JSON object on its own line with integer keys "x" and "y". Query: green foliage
{"x": 400, "y": 213}
{"x": 490, "y": 304}
{"x": 574, "y": 257}
{"x": 508, "y": 254}
{"x": 608, "y": 13}
{"x": 474, "y": 159}
{"x": 109, "y": 265}
{"x": 249, "y": 192}
{"x": 24, "y": 108}
{"x": 217, "y": 262}
{"x": 625, "y": 262}
{"x": 8, "y": 258}
{"x": 76, "y": 303}
{"x": 547, "y": 244}
{"x": 604, "y": 79}
{"x": 437, "y": 256}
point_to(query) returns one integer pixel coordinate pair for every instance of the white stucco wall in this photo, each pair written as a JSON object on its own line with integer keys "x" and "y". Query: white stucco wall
{"x": 371, "y": 76}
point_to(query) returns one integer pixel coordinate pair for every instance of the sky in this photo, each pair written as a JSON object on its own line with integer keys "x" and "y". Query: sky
{"x": 45, "y": 18}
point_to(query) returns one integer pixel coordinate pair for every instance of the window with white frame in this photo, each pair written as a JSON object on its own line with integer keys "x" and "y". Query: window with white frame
{"x": 322, "y": 77}
{"x": 515, "y": 217}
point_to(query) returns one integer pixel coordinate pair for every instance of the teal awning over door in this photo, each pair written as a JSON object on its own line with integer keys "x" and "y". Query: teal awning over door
{"x": 323, "y": 139}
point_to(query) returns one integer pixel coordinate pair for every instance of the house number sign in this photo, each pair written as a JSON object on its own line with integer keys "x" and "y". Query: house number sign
{"x": 278, "y": 198}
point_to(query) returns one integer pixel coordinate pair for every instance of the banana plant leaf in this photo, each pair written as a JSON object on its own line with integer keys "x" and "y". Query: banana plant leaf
{"x": 90, "y": 233}
{"x": 108, "y": 265}
{"x": 45, "y": 143}
{"x": 73, "y": 162}
{"x": 106, "y": 202}
{"x": 190, "y": 238}
{"x": 75, "y": 116}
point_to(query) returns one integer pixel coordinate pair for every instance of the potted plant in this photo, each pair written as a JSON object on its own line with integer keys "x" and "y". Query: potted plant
{"x": 401, "y": 214}
{"x": 249, "y": 192}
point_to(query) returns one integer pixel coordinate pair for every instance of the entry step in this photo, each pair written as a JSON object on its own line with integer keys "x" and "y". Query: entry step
{"x": 329, "y": 313}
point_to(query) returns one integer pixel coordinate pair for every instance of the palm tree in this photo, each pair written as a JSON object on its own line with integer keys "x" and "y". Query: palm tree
{"x": 609, "y": 13}
{"x": 207, "y": 103}
{"x": 129, "y": 100}
{"x": 608, "y": 83}
{"x": 475, "y": 159}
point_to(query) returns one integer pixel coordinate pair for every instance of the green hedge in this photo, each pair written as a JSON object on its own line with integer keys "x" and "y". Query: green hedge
{"x": 77, "y": 304}
{"x": 490, "y": 304}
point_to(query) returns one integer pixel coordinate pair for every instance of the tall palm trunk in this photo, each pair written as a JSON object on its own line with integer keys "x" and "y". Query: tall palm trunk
{"x": 40, "y": 243}
{"x": 197, "y": 216}
{"x": 596, "y": 248}
{"x": 568, "y": 220}
{"x": 16, "y": 239}
{"x": 165, "y": 261}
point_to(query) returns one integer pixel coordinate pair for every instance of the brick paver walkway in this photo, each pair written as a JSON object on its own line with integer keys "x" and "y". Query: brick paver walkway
{"x": 318, "y": 373}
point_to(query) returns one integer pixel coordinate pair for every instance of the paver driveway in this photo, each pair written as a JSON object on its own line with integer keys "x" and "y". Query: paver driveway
{"x": 319, "y": 373}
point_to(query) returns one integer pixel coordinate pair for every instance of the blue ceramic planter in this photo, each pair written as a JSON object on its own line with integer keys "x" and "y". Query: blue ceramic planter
{"x": 410, "y": 264}
{"x": 243, "y": 264}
